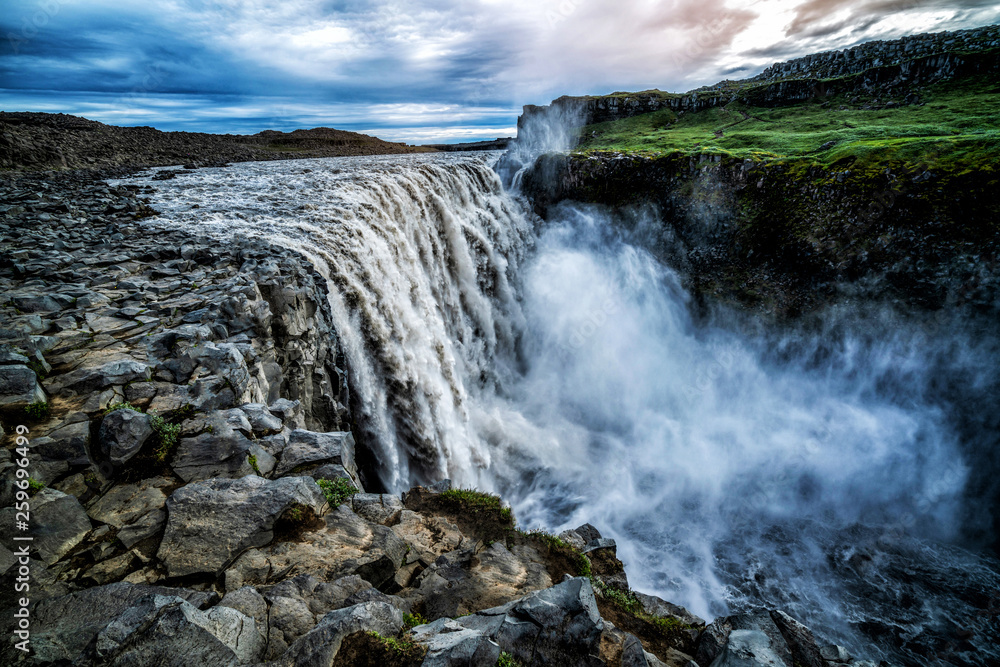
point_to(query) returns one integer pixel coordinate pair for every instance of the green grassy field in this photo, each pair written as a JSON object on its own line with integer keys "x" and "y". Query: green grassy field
{"x": 957, "y": 128}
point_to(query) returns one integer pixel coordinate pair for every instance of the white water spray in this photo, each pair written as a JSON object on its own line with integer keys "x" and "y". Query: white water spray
{"x": 570, "y": 377}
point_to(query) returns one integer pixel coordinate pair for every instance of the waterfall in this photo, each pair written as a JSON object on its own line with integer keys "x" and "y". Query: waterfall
{"x": 557, "y": 363}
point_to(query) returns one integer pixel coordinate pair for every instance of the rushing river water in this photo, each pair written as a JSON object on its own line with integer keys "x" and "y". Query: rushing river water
{"x": 825, "y": 470}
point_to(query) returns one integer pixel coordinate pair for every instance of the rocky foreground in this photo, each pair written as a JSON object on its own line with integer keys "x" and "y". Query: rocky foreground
{"x": 195, "y": 499}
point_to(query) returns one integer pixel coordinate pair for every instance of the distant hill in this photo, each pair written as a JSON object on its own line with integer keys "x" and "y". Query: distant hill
{"x": 42, "y": 141}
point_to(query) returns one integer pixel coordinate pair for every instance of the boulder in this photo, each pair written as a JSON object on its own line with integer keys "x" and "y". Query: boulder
{"x": 556, "y": 626}
{"x": 321, "y": 644}
{"x": 136, "y": 510}
{"x": 63, "y": 626}
{"x": 467, "y": 580}
{"x": 307, "y": 448}
{"x": 377, "y": 508}
{"x": 116, "y": 372}
{"x": 123, "y": 434}
{"x": 67, "y": 442}
{"x": 19, "y": 387}
{"x": 168, "y": 631}
{"x": 261, "y": 420}
{"x": 748, "y": 648}
{"x": 299, "y": 603}
{"x": 58, "y": 523}
{"x": 289, "y": 412}
{"x": 211, "y": 522}
{"x": 345, "y": 545}
{"x": 800, "y": 640}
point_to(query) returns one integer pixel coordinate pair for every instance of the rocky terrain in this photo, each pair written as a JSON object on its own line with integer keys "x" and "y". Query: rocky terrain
{"x": 40, "y": 141}
{"x": 195, "y": 495}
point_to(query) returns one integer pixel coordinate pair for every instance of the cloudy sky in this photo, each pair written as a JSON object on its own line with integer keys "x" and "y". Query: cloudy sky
{"x": 408, "y": 70}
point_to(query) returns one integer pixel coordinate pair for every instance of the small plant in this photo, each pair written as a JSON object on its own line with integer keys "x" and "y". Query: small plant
{"x": 38, "y": 410}
{"x": 121, "y": 406}
{"x": 583, "y": 567}
{"x": 403, "y": 647}
{"x": 34, "y": 486}
{"x": 413, "y": 620}
{"x": 167, "y": 434}
{"x": 252, "y": 460}
{"x": 336, "y": 491}
{"x": 295, "y": 513}
{"x": 507, "y": 660}
{"x": 38, "y": 368}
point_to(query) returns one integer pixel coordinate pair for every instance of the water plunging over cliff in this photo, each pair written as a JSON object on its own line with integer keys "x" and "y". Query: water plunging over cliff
{"x": 558, "y": 364}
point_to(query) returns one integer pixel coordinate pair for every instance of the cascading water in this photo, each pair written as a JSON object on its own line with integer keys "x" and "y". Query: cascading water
{"x": 558, "y": 364}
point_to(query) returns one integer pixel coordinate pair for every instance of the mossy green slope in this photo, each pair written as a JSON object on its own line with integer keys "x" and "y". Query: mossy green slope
{"x": 954, "y": 128}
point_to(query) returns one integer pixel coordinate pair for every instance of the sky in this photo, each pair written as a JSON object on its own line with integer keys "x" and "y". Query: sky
{"x": 419, "y": 71}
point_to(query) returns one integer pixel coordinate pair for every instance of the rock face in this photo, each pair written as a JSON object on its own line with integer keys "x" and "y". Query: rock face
{"x": 123, "y": 433}
{"x": 210, "y": 523}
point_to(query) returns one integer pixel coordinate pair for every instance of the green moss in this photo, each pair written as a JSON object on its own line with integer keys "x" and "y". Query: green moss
{"x": 121, "y": 406}
{"x": 413, "y": 620}
{"x": 336, "y": 491}
{"x": 34, "y": 486}
{"x": 507, "y": 660}
{"x": 477, "y": 501}
{"x": 38, "y": 411}
{"x": 956, "y": 130}
{"x": 252, "y": 460}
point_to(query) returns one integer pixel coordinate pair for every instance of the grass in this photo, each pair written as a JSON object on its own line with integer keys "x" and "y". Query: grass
{"x": 627, "y": 602}
{"x": 252, "y": 460}
{"x": 956, "y": 129}
{"x": 478, "y": 501}
{"x": 336, "y": 491}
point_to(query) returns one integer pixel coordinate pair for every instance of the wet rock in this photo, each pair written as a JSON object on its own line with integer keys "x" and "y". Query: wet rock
{"x": 834, "y": 653}
{"x": 212, "y": 522}
{"x": 123, "y": 433}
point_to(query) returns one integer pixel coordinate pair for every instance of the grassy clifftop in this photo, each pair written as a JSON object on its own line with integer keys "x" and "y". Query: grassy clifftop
{"x": 954, "y": 127}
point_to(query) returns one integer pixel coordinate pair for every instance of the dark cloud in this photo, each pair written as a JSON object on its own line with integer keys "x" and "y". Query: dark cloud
{"x": 810, "y": 16}
{"x": 407, "y": 68}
